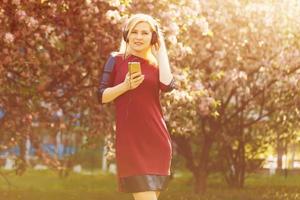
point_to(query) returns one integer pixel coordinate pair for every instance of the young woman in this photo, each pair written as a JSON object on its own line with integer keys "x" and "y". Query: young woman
{"x": 143, "y": 143}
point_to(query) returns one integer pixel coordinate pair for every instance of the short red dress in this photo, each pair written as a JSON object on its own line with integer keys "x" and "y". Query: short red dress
{"x": 143, "y": 143}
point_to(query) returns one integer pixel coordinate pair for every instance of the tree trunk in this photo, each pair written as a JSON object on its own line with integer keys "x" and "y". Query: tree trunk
{"x": 200, "y": 182}
{"x": 21, "y": 162}
{"x": 280, "y": 152}
{"x": 241, "y": 165}
{"x": 199, "y": 171}
{"x": 293, "y": 151}
{"x": 201, "y": 176}
{"x": 236, "y": 166}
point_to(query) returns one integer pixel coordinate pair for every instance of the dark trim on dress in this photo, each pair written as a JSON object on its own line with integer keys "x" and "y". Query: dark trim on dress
{"x": 168, "y": 88}
{"x": 143, "y": 183}
{"x": 106, "y": 77}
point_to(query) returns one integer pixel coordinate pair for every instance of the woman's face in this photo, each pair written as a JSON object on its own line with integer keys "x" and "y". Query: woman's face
{"x": 140, "y": 37}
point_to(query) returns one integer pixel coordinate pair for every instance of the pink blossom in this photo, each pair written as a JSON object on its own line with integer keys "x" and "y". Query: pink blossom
{"x": 198, "y": 85}
{"x": 173, "y": 27}
{"x": 21, "y": 14}
{"x": 150, "y": 6}
{"x": 88, "y": 2}
{"x": 9, "y": 38}
{"x": 172, "y": 39}
{"x": 203, "y": 25}
{"x": 122, "y": 8}
{"x": 114, "y": 3}
{"x": 96, "y": 9}
{"x": 16, "y": 2}
{"x": 113, "y": 16}
{"x": 31, "y": 22}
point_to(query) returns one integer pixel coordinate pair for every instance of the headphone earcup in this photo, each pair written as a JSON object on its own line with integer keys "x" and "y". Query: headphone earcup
{"x": 125, "y": 33}
{"x": 154, "y": 38}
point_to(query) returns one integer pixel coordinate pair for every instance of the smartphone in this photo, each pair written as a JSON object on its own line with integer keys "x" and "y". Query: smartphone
{"x": 134, "y": 67}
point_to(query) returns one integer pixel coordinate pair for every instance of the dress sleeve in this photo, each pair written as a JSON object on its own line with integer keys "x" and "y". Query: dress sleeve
{"x": 107, "y": 77}
{"x": 167, "y": 88}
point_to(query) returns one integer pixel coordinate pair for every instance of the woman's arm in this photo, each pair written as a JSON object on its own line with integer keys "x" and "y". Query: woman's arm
{"x": 130, "y": 83}
{"x": 167, "y": 81}
{"x": 107, "y": 92}
{"x": 107, "y": 78}
{"x": 165, "y": 74}
{"x": 166, "y": 78}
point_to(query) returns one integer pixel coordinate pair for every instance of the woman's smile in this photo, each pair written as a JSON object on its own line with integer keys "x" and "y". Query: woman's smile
{"x": 138, "y": 43}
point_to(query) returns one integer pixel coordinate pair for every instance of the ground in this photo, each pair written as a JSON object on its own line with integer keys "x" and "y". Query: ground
{"x": 46, "y": 185}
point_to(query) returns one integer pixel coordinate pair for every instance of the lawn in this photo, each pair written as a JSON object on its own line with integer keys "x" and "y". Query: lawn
{"x": 46, "y": 185}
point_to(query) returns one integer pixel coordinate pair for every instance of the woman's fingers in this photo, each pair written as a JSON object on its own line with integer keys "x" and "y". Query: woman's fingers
{"x": 134, "y": 80}
{"x": 137, "y": 81}
{"x": 135, "y": 74}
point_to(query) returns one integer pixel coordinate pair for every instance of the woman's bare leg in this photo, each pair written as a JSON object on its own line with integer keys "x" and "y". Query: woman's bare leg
{"x": 157, "y": 194}
{"x": 148, "y": 195}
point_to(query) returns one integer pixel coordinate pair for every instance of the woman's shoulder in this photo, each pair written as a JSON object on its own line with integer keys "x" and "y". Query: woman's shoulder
{"x": 116, "y": 54}
{"x": 153, "y": 61}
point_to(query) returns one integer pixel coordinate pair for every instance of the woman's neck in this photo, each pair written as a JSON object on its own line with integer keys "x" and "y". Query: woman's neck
{"x": 147, "y": 55}
{"x": 143, "y": 54}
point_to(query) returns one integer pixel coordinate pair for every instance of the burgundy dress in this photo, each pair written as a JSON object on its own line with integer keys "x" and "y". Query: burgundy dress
{"x": 143, "y": 144}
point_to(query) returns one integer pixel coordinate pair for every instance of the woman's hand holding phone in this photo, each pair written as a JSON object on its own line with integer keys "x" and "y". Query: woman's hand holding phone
{"x": 134, "y": 80}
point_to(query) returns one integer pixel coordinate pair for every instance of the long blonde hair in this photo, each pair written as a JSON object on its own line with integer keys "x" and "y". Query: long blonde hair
{"x": 160, "y": 47}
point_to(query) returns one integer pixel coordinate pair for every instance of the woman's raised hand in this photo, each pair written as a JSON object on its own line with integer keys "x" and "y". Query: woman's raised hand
{"x": 134, "y": 80}
{"x": 154, "y": 50}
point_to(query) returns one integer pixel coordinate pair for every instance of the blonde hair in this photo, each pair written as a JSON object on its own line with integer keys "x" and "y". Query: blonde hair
{"x": 160, "y": 47}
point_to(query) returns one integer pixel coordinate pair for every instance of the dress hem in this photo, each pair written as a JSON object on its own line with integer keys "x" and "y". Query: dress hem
{"x": 142, "y": 183}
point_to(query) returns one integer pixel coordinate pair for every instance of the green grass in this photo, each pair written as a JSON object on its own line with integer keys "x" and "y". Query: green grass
{"x": 46, "y": 185}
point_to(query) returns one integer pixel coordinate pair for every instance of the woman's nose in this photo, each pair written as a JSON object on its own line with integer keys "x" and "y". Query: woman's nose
{"x": 139, "y": 35}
